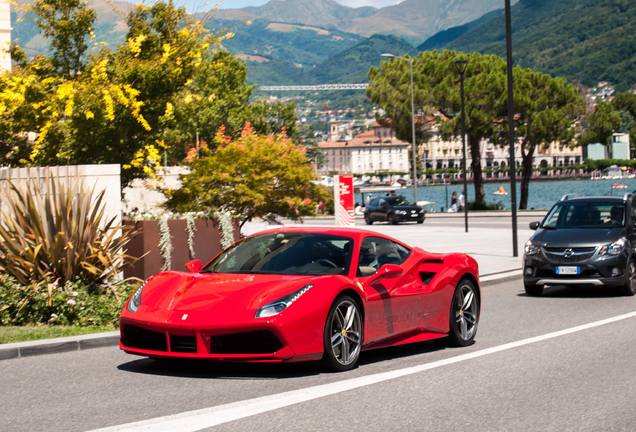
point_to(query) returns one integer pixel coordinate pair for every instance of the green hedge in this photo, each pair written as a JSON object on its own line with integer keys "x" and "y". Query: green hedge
{"x": 71, "y": 304}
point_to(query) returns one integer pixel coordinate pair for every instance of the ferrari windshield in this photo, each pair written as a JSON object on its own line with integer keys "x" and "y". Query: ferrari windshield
{"x": 591, "y": 214}
{"x": 291, "y": 253}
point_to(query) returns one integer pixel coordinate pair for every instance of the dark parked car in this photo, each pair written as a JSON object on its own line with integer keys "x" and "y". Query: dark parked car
{"x": 583, "y": 241}
{"x": 393, "y": 209}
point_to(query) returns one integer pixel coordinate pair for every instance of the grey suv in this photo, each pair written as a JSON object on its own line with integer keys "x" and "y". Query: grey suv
{"x": 583, "y": 241}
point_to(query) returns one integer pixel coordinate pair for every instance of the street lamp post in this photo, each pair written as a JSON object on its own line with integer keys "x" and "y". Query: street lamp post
{"x": 511, "y": 132}
{"x": 461, "y": 66}
{"x": 391, "y": 56}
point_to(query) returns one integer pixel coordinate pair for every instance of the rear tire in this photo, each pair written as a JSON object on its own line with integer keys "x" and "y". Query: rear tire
{"x": 343, "y": 335}
{"x": 629, "y": 289}
{"x": 464, "y": 315}
{"x": 533, "y": 290}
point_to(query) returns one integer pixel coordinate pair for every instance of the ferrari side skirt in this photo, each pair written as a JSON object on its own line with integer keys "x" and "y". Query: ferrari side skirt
{"x": 403, "y": 338}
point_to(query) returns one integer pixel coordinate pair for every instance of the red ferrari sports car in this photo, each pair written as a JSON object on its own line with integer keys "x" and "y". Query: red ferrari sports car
{"x": 297, "y": 294}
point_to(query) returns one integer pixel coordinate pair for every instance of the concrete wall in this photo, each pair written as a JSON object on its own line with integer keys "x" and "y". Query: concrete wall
{"x": 101, "y": 176}
{"x": 143, "y": 196}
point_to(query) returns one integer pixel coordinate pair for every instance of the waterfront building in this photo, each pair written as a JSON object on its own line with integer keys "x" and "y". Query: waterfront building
{"x": 618, "y": 148}
{"x": 372, "y": 155}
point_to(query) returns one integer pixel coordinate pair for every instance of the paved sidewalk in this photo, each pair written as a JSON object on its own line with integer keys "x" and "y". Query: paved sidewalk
{"x": 490, "y": 246}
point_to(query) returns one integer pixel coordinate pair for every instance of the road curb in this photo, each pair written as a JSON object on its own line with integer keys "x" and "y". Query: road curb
{"x": 99, "y": 340}
{"x": 58, "y": 345}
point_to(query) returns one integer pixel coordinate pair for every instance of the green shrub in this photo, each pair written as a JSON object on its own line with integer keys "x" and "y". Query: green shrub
{"x": 59, "y": 235}
{"x": 73, "y": 303}
{"x": 472, "y": 205}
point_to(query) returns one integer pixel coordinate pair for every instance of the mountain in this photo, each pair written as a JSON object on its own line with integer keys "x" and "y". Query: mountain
{"x": 310, "y": 12}
{"x": 586, "y": 40}
{"x": 417, "y": 20}
{"x": 350, "y": 66}
{"x": 297, "y": 44}
{"x": 444, "y": 37}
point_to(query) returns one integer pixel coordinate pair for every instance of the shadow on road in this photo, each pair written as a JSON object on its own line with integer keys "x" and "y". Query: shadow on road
{"x": 568, "y": 291}
{"x": 209, "y": 369}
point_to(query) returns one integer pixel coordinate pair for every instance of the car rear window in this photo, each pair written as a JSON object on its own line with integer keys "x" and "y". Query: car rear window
{"x": 594, "y": 214}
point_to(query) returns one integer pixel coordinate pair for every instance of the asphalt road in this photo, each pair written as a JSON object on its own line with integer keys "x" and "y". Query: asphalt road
{"x": 577, "y": 380}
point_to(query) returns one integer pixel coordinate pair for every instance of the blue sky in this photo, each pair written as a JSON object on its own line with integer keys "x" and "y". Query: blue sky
{"x": 234, "y": 4}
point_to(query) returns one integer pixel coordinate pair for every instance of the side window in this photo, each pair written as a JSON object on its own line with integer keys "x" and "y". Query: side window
{"x": 404, "y": 252}
{"x": 382, "y": 202}
{"x": 373, "y": 202}
{"x": 374, "y": 253}
{"x": 633, "y": 214}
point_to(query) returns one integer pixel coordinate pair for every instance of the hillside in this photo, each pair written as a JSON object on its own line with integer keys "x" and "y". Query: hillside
{"x": 312, "y": 12}
{"x": 586, "y": 40}
{"x": 417, "y": 20}
{"x": 295, "y": 44}
{"x": 445, "y": 37}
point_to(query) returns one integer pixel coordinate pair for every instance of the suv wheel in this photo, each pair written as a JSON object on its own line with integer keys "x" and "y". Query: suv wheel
{"x": 533, "y": 290}
{"x": 629, "y": 289}
{"x": 368, "y": 220}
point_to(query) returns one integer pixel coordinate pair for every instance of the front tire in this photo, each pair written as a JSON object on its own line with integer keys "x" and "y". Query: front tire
{"x": 392, "y": 220}
{"x": 343, "y": 335}
{"x": 464, "y": 315}
{"x": 533, "y": 290}
{"x": 368, "y": 220}
{"x": 629, "y": 289}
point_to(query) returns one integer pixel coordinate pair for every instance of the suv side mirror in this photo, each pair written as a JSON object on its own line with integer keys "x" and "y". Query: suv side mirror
{"x": 194, "y": 266}
{"x": 534, "y": 225}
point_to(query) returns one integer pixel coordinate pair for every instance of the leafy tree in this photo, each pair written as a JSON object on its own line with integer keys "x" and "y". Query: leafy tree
{"x": 437, "y": 89}
{"x": 626, "y": 102}
{"x": 545, "y": 111}
{"x": 599, "y": 126}
{"x": 67, "y": 24}
{"x": 253, "y": 176}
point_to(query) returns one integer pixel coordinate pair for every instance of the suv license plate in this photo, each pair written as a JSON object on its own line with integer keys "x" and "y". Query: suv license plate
{"x": 568, "y": 270}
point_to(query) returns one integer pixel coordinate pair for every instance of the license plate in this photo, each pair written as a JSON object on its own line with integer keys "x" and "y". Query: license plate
{"x": 414, "y": 215}
{"x": 568, "y": 270}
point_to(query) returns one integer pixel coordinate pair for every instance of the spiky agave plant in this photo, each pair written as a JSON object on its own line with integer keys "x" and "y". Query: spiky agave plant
{"x": 60, "y": 234}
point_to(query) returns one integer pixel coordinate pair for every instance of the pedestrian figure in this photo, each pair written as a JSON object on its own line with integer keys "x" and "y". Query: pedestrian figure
{"x": 461, "y": 201}
{"x": 453, "y": 205}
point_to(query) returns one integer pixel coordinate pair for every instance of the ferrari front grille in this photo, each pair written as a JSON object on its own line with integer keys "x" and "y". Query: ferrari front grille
{"x": 141, "y": 338}
{"x": 255, "y": 342}
{"x": 185, "y": 344}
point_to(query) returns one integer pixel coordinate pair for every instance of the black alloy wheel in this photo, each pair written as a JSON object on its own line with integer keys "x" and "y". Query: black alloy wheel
{"x": 533, "y": 290}
{"x": 464, "y": 315}
{"x": 342, "y": 339}
{"x": 629, "y": 289}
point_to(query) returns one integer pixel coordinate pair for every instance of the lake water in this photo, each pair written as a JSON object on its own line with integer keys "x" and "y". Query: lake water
{"x": 542, "y": 194}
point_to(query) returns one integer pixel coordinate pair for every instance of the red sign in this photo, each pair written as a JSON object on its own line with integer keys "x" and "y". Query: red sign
{"x": 343, "y": 200}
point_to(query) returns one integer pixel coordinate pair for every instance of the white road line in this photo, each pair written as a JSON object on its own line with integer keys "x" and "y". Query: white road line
{"x": 209, "y": 417}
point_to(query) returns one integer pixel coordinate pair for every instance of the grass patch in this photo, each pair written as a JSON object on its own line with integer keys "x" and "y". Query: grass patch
{"x": 11, "y": 334}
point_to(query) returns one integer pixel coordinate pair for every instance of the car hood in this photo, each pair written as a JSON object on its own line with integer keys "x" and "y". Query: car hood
{"x": 577, "y": 237}
{"x": 226, "y": 297}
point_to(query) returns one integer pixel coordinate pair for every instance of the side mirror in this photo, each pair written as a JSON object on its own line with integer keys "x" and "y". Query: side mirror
{"x": 194, "y": 266}
{"x": 534, "y": 225}
{"x": 387, "y": 271}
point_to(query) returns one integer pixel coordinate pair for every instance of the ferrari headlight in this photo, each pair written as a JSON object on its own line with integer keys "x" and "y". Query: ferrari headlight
{"x": 531, "y": 249}
{"x": 277, "y": 306}
{"x": 135, "y": 300}
{"x": 613, "y": 248}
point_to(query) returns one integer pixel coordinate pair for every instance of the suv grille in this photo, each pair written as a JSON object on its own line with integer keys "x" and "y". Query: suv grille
{"x": 575, "y": 254}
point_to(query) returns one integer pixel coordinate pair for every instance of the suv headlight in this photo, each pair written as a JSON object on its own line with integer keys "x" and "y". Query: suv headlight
{"x": 531, "y": 249}
{"x": 135, "y": 299}
{"x": 277, "y": 306}
{"x": 613, "y": 248}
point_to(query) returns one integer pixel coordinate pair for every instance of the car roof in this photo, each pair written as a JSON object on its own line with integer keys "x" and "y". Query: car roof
{"x": 594, "y": 198}
{"x": 354, "y": 233}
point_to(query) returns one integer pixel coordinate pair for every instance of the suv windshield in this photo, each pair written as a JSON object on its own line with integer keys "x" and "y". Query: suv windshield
{"x": 395, "y": 201}
{"x": 286, "y": 253}
{"x": 594, "y": 214}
